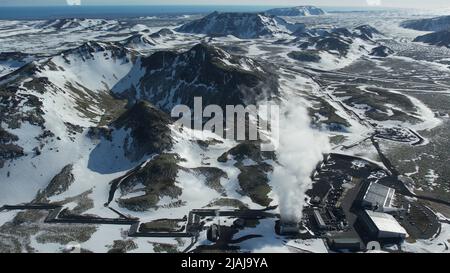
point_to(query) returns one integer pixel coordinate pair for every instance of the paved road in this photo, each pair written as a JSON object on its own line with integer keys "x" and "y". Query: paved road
{"x": 400, "y": 185}
{"x": 193, "y": 227}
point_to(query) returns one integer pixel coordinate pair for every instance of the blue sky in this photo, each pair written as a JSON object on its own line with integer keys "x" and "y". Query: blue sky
{"x": 348, "y": 3}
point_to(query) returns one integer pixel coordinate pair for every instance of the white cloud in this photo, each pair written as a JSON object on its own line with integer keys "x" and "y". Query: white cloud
{"x": 73, "y": 2}
{"x": 374, "y": 2}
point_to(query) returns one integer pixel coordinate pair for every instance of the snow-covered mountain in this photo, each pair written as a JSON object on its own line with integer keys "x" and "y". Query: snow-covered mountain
{"x": 55, "y": 98}
{"x": 203, "y": 71}
{"x": 139, "y": 41}
{"x": 367, "y": 32}
{"x": 439, "y": 38}
{"x": 75, "y": 24}
{"x": 165, "y": 32}
{"x": 297, "y": 11}
{"x": 430, "y": 24}
{"x": 68, "y": 137}
{"x": 364, "y": 32}
{"x": 337, "y": 44}
{"x": 11, "y": 61}
{"x": 241, "y": 25}
{"x": 60, "y": 111}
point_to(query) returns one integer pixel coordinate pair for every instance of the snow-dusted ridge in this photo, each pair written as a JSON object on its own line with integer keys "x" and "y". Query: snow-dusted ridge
{"x": 297, "y": 11}
{"x": 241, "y": 25}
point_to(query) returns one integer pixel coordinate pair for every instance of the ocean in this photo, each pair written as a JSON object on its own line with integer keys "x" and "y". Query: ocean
{"x": 109, "y": 12}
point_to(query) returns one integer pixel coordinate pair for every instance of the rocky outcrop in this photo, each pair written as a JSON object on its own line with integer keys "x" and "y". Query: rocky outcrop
{"x": 440, "y": 38}
{"x": 247, "y": 150}
{"x": 366, "y": 32}
{"x": 158, "y": 177}
{"x": 149, "y": 130}
{"x": 305, "y": 56}
{"x": 429, "y": 24}
{"x": 381, "y": 51}
{"x": 59, "y": 184}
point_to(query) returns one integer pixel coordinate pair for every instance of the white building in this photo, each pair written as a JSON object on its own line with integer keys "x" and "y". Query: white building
{"x": 383, "y": 226}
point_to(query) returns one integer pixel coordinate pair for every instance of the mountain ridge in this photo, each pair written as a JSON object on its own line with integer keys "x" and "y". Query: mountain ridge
{"x": 306, "y": 10}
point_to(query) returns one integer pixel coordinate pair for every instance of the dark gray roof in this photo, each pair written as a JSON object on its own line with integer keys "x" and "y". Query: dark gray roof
{"x": 378, "y": 194}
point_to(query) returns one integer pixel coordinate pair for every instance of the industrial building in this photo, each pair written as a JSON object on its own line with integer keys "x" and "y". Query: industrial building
{"x": 319, "y": 220}
{"x": 376, "y": 197}
{"x": 289, "y": 228}
{"x": 352, "y": 244}
{"x": 382, "y": 226}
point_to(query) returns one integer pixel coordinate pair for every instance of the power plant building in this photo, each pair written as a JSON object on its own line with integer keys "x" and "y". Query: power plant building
{"x": 374, "y": 196}
{"x": 382, "y": 226}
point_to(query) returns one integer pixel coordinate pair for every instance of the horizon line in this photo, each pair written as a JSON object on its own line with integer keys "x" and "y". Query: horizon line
{"x": 202, "y": 5}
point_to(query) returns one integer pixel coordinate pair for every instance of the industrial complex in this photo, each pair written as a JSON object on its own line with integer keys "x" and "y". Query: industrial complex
{"x": 353, "y": 209}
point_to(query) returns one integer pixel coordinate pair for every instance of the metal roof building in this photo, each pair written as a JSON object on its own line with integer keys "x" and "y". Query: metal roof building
{"x": 377, "y": 197}
{"x": 382, "y": 226}
{"x": 319, "y": 220}
{"x": 345, "y": 243}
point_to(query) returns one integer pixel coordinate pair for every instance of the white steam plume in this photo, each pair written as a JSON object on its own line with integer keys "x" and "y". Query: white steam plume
{"x": 301, "y": 149}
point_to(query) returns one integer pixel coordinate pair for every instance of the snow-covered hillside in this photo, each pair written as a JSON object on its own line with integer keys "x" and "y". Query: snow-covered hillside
{"x": 439, "y": 38}
{"x": 241, "y": 25}
{"x": 11, "y": 61}
{"x": 429, "y": 24}
{"x": 297, "y": 11}
{"x": 206, "y": 71}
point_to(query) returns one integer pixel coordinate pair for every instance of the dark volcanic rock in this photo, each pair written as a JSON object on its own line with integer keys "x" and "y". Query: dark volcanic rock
{"x": 12, "y": 115}
{"x": 253, "y": 179}
{"x": 138, "y": 40}
{"x": 334, "y": 45}
{"x": 158, "y": 178}
{"x": 342, "y": 31}
{"x": 59, "y": 184}
{"x": 73, "y": 23}
{"x": 163, "y": 225}
{"x": 86, "y": 50}
{"x": 254, "y": 183}
{"x": 14, "y": 60}
{"x": 248, "y": 149}
{"x": 381, "y": 51}
{"x": 10, "y": 151}
{"x": 204, "y": 71}
{"x": 440, "y": 38}
{"x": 7, "y": 137}
{"x": 149, "y": 130}
{"x": 122, "y": 246}
{"x": 367, "y": 32}
{"x": 100, "y": 132}
{"x": 305, "y": 56}
{"x": 429, "y": 24}
{"x": 212, "y": 177}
